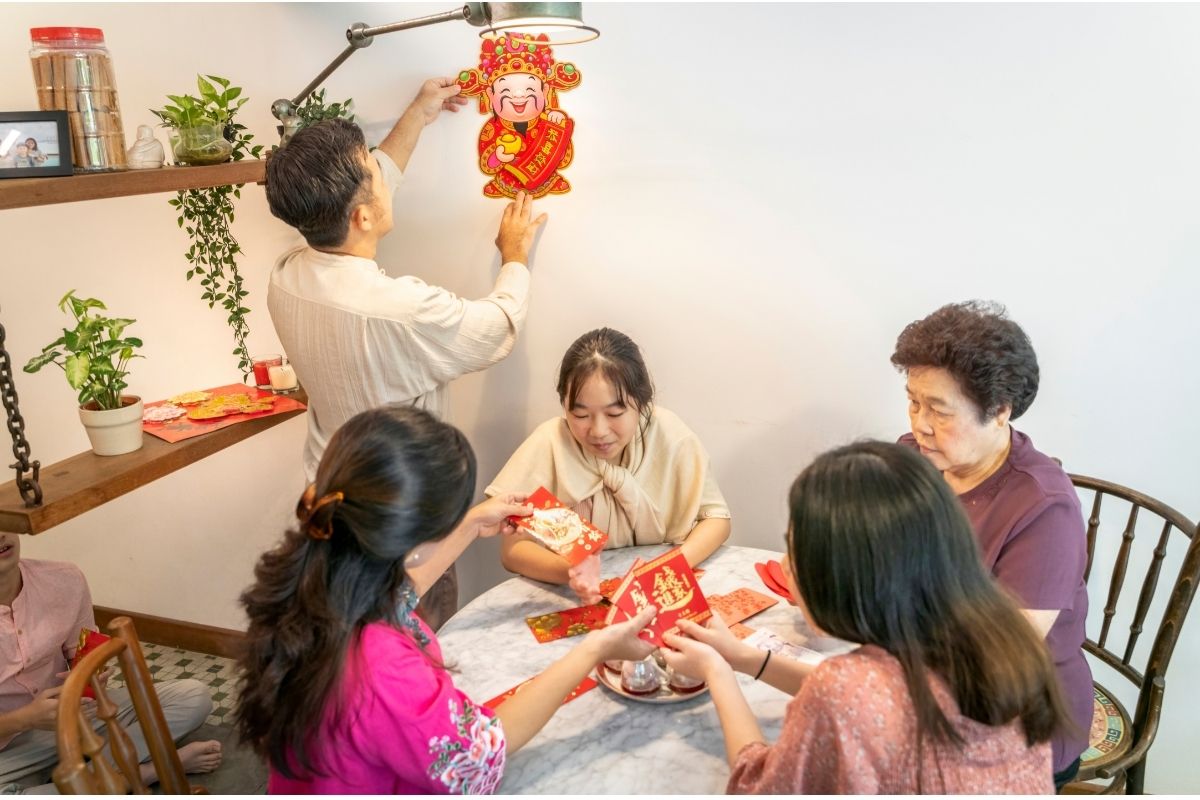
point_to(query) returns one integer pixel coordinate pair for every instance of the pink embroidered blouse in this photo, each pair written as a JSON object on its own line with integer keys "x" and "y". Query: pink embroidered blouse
{"x": 852, "y": 730}
{"x": 404, "y": 729}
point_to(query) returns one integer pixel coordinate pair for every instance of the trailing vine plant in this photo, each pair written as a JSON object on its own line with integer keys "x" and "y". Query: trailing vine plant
{"x": 314, "y": 109}
{"x": 207, "y": 214}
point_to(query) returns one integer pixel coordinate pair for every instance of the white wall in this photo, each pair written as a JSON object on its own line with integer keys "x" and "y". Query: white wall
{"x": 764, "y": 196}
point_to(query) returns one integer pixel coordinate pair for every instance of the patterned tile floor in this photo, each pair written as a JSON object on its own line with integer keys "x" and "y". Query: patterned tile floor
{"x": 168, "y": 663}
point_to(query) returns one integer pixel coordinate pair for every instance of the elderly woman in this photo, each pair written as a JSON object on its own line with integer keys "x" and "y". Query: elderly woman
{"x": 971, "y": 371}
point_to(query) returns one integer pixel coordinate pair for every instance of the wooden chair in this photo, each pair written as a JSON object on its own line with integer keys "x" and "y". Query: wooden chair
{"x": 1118, "y": 750}
{"x": 83, "y": 767}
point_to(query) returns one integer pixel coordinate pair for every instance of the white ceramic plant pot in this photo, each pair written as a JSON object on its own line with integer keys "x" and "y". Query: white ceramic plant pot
{"x": 115, "y": 431}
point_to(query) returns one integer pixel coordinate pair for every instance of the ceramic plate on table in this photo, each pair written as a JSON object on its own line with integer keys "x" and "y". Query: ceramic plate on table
{"x": 665, "y": 694}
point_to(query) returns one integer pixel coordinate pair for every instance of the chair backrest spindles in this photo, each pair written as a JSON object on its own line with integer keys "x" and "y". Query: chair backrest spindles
{"x": 1147, "y": 594}
{"x": 83, "y": 766}
{"x": 1093, "y": 526}
{"x": 1118, "y": 577}
{"x": 1181, "y": 577}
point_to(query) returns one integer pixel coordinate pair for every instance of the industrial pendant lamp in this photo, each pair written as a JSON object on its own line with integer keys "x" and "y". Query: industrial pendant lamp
{"x": 561, "y": 23}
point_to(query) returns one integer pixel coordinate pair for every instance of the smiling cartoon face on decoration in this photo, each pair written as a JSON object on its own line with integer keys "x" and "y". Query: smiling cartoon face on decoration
{"x": 518, "y": 97}
{"x": 527, "y": 137}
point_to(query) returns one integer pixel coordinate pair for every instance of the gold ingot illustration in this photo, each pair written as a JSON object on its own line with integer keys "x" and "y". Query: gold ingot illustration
{"x": 511, "y": 143}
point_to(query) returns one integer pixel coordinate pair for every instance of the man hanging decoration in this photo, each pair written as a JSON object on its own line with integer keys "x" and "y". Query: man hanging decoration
{"x": 527, "y": 139}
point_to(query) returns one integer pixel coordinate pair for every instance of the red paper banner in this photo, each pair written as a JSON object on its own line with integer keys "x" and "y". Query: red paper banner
{"x": 585, "y": 686}
{"x": 571, "y": 622}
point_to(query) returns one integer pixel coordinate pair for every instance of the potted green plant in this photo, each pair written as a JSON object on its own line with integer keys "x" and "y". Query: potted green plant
{"x": 202, "y": 128}
{"x": 207, "y": 214}
{"x": 95, "y": 355}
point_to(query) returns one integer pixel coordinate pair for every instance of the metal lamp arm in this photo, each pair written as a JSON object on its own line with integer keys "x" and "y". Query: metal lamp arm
{"x": 360, "y": 35}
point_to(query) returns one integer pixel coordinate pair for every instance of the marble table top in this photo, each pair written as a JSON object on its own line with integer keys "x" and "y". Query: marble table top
{"x": 601, "y": 743}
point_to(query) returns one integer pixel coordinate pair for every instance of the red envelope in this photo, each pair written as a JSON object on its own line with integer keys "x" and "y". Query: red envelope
{"x": 571, "y": 622}
{"x": 776, "y": 570}
{"x": 740, "y": 604}
{"x": 668, "y": 584}
{"x": 609, "y": 585}
{"x": 740, "y": 631}
{"x": 770, "y": 582}
{"x": 585, "y": 686}
{"x": 88, "y": 641}
{"x": 560, "y": 529}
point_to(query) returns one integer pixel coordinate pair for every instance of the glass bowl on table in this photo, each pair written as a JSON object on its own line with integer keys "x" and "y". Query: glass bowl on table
{"x": 641, "y": 677}
{"x": 683, "y": 684}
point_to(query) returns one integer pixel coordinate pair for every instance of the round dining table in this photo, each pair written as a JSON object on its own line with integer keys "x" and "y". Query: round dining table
{"x": 601, "y": 742}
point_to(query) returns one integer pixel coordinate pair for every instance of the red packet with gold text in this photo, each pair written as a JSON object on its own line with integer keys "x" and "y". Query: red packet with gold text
{"x": 667, "y": 583}
{"x": 740, "y": 604}
{"x": 571, "y": 622}
{"x": 88, "y": 641}
{"x": 560, "y": 529}
{"x": 609, "y": 585}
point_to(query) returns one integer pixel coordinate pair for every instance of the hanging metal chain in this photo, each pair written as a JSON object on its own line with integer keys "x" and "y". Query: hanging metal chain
{"x": 30, "y": 491}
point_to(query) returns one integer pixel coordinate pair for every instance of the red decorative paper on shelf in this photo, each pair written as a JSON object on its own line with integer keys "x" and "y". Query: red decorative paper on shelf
{"x": 740, "y": 604}
{"x": 585, "y": 686}
{"x": 571, "y": 622}
{"x": 560, "y": 529}
{"x": 667, "y": 583}
{"x": 88, "y": 641}
{"x": 183, "y": 427}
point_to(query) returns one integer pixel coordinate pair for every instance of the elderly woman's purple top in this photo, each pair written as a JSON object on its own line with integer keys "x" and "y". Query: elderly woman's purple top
{"x": 1030, "y": 529}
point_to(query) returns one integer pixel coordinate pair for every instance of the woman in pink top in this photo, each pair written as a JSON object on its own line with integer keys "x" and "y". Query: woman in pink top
{"x": 952, "y": 690}
{"x": 344, "y": 688}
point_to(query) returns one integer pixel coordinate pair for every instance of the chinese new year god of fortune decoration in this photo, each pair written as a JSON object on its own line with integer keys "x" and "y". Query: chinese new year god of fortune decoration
{"x": 527, "y": 138}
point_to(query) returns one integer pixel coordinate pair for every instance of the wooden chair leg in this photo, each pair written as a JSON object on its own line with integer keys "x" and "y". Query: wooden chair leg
{"x": 1136, "y": 778}
{"x": 441, "y": 601}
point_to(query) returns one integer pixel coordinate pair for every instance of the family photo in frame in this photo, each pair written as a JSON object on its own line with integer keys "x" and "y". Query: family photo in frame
{"x": 34, "y": 144}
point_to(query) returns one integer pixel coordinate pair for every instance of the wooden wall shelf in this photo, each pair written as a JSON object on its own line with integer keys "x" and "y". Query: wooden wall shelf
{"x": 83, "y": 482}
{"x": 23, "y": 192}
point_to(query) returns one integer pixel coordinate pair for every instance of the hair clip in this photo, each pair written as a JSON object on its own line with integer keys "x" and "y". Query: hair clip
{"x": 306, "y": 509}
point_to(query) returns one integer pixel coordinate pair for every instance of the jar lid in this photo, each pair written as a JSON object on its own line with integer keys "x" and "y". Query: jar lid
{"x": 60, "y": 34}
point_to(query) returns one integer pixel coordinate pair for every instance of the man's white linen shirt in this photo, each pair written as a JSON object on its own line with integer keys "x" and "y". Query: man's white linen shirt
{"x": 359, "y": 339}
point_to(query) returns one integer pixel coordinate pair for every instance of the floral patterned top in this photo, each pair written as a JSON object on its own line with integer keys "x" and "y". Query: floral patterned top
{"x": 852, "y": 730}
{"x": 405, "y": 728}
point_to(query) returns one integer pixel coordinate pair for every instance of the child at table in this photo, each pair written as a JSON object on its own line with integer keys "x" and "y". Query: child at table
{"x": 632, "y": 468}
{"x": 344, "y": 688}
{"x": 952, "y": 690}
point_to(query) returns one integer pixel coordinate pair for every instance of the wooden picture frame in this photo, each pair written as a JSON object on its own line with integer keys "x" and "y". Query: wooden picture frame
{"x": 52, "y": 139}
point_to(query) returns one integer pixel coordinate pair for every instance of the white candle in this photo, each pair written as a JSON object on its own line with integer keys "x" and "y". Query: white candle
{"x": 283, "y": 378}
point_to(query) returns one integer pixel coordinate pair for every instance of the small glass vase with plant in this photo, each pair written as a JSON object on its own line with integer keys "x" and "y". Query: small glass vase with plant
{"x": 202, "y": 128}
{"x": 95, "y": 357}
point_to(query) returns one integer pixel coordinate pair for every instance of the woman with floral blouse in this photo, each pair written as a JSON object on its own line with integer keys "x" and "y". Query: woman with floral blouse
{"x": 344, "y": 688}
{"x": 952, "y": 690}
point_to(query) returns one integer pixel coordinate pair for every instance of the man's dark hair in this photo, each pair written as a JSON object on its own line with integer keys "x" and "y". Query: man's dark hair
{"x": 317, "y": 179}
{"x": 987, "y": 353}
